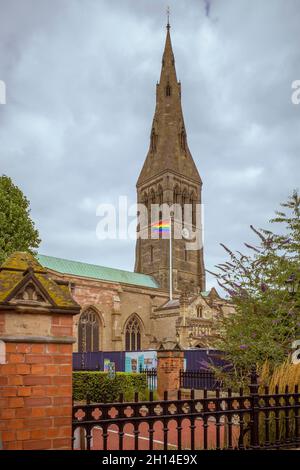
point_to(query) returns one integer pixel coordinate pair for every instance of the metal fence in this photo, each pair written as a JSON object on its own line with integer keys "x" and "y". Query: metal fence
{"x": 249, "y": 420}
{"x": 151, "y": 375}
{"x": 199, "y": 380}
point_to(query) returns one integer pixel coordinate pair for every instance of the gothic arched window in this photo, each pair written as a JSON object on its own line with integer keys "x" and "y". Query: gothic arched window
{"x": 88, "y": 331}
{"x": 151, "y": 202}
{"x": 185, "y": 200}
{"x": 176, "y": 195}
{"x": 160, "y": 196}
{"x": 193, "y": 203}
{"x": 133, "y": 334}
{"x": 199, "y": 311}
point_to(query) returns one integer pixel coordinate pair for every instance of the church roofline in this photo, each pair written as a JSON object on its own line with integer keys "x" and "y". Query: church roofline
{"x": 92, "y": 271}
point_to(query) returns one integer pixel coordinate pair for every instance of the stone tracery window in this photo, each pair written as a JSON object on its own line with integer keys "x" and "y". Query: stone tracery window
{"x": 88, "y": 331}
{"x": 133, "y": 334}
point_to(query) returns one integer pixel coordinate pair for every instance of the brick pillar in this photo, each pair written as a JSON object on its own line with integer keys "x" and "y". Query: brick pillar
{"x": 36, "y": 378}
{"x": 169, "y": 364}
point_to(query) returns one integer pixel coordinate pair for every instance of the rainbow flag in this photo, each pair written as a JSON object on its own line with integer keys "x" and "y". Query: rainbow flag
{"x": 161, "y": 226}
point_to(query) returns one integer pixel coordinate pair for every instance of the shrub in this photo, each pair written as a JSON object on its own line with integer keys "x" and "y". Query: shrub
{"x": 102, "y": 389}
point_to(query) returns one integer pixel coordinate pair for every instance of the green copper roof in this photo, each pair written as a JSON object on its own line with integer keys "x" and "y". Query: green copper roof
{"x": 77, "y": 268}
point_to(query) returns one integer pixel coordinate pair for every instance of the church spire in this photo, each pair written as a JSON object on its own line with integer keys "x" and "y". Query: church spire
{"x": 168, "y": 61}
{"x": 169, "y": 176}
{"x": 168, "y": 141}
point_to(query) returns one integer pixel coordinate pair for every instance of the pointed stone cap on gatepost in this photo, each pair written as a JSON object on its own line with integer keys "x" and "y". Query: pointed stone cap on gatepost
{"x": 25, "y": 282}
{"x": 170, "y": 345}
{"x": 32, "y": 303}
{"x": 37, "y": 329}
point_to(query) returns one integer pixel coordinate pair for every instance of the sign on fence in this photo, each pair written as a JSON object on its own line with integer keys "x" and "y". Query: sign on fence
{"x": 111, "y": 370}
{"x": 136, "y": 360}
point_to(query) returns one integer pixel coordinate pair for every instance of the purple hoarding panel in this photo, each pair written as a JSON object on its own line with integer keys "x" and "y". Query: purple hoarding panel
{"x": 195, "y": 359}
{"x": 95, "y": 360}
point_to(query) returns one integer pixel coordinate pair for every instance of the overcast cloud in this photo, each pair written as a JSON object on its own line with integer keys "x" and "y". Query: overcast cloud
{"x": 80, "y": 77}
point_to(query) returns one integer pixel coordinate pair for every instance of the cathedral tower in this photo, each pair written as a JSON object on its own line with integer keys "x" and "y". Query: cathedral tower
{"x": 169, "y": 175}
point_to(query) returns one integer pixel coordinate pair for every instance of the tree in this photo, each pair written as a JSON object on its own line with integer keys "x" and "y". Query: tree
{"x": 267, "y": 317}
{"x": 17, "y": 230}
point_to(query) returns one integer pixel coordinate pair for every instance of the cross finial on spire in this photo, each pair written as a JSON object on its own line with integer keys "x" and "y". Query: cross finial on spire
{"x": 168, "y": 17}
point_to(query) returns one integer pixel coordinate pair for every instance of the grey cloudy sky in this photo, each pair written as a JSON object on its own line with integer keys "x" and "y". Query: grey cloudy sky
{"x": 81, "y": 77}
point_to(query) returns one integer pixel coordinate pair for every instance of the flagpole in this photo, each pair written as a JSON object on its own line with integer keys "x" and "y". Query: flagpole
{"x": 171, "y": 276}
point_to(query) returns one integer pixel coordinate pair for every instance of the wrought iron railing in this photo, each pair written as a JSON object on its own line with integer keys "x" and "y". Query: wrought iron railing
{"x": 199, "y": 380}
{"x": 219, "y": 420}
{"x": 151, "y": 375}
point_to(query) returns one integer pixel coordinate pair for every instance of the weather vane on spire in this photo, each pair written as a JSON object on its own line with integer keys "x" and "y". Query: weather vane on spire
{"x": 168, "y": 17}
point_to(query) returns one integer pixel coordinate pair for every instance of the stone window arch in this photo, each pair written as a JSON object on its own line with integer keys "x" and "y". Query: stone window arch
{"x": 133, "y": 334}
{"x": 151, "y": 202}
{"x": 160, "y": 198}
{"x": 89, "y": 331}
{"x": 176, "y": 195}
{"x": 145, "y": 199}
{"x": 193, "y": 202}
{"x": 199, "y": 311}
{"x": 143, "y": 213}
{"x": 185, "y": 200}
{"x": 160, "y": 195}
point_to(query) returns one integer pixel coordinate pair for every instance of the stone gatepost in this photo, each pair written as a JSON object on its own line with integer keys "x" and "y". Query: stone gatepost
{"x": 36, "y": 319}
{"x": 169, "y": 364}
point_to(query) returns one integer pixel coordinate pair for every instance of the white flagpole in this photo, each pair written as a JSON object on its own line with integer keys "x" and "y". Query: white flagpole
{"x": 171, "y": 276}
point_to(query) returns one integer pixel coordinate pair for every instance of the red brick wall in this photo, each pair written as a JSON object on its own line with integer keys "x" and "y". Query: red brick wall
{"x": 36, "y": 394}
{"x": 169, "y": 364}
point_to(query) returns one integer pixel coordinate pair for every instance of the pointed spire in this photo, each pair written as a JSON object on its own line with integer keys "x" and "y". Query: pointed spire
{"x": 168, "y": 142}
{"x": 168, "y": 61}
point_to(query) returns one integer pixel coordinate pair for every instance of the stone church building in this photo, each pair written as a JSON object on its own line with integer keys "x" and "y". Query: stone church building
{"x": 123, "y": 310}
